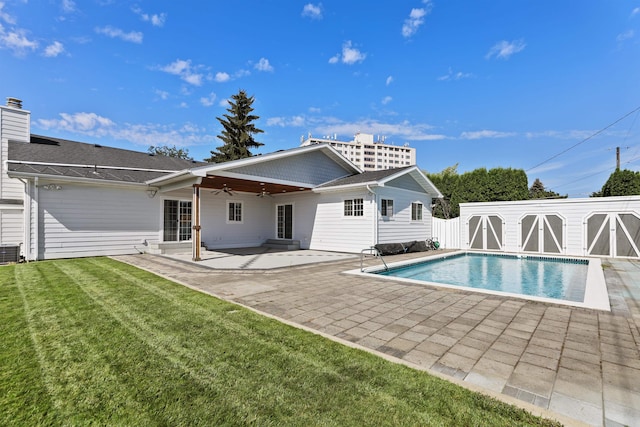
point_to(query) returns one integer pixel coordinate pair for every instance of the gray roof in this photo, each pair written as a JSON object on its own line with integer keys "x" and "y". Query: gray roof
{"x": 368, "y": 176}
{"x": 64, "y": 158}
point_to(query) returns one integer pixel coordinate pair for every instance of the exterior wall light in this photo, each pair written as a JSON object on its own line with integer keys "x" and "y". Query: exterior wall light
{"x": 51, "y": 187}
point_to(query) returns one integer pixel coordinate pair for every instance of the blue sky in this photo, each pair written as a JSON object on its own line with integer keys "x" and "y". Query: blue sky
{"x": 498, "y": 83}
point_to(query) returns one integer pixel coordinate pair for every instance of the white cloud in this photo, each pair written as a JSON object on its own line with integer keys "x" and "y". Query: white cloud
{"x": 17, "y": 41}
{"x": 504, "y": 49}
{"x": 54, "y": 49}
{"x": 350, "y": 55}
{"x": 86, "y": 123}
{"x": 625, "y": 36}
{"x": 4, "y": 16}
{"x": 455, "y": 76}
{"x": 68, "y": 6}
{"x": 386, "y": 100}
{"x": 312, "y": 11}
{"x": 207, "y": 101}
{"x": 404, "y": 131}
{"x": 192, "y": 78}
{"x": 485, "y": 134}
{"x": 416, "y": 19}
{"x": 117, "y": 33}
{"x": 183, "y": 68}
{"x": 94, "y": 125}
{"x": 263, "y": 65}
{"x": 568, "y": 134}
{"x": 389, "y": 80}
{"x": 164, "y": 95}
{"x": 635, "y": 11}
{"x": 157, "y": 20}
{"x": 222, "y": 77}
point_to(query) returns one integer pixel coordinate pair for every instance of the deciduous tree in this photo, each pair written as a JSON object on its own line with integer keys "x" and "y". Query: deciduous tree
{"x": 170, "y": 151}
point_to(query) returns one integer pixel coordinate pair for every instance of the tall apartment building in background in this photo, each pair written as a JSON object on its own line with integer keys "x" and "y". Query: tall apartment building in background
{"x": 367, "y": 153}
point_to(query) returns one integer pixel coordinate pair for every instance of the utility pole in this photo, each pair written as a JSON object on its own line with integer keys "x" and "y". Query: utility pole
{"x": 617, "y": 158}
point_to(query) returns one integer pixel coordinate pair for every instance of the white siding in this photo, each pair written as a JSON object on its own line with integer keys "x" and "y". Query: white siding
{"x": 258, "y": 220}
{"x": 14, "y": 125}
{"x": 313, "y": 168}
{"x": 11, "y": 225}
{"x": 573, "y": 211}
{"x": 399, "y": 227}
{"x": 305, "y": 207}
{"x": 333, "y": 231}
{"x": 79, "y": 221}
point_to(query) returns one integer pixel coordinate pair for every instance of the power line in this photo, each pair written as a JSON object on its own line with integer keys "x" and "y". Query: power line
{"x": 608, "y": 169}
{"x": 585, "y": 140}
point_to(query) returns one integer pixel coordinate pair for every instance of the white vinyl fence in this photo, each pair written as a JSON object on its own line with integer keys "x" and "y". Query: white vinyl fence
{"x": 447, "y": 231}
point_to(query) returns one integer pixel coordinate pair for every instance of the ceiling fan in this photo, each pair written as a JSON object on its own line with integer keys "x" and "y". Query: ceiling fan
{"x": 264, "y": 193}
{"x": 224, "y": 189}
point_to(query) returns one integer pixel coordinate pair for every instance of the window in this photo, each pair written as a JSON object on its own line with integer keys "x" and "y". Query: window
{"x": 386, "y": 207}
{"x": 234, "y": 212}
{"x": 416, "y": 211}
{"x": 354, "y": 207}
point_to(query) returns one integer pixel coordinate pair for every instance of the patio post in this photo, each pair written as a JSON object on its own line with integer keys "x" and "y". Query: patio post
{"x": 195, "y": 238}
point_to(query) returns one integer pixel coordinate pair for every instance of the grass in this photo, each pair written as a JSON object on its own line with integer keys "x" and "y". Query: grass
{"x": 95, "y": 341}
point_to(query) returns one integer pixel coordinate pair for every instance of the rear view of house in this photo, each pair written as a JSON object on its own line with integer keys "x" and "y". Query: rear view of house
{"x": 62, "y": 199}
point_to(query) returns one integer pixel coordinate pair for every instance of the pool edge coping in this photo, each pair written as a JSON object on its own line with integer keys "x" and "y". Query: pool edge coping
{"x": 596, "y": 294}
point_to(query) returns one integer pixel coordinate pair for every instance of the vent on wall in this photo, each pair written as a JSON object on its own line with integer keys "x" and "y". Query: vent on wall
{"x": 9, "y": 253}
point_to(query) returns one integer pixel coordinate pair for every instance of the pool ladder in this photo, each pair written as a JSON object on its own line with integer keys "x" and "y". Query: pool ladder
{"x": 372, "y": 251}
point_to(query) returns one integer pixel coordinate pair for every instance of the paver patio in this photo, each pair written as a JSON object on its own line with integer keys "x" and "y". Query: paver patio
{"x": 579, "y": 363}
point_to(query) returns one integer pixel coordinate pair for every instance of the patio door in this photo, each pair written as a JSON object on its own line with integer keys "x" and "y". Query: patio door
{"x": 284, "y": 221}
{"x": 177, "y": 221}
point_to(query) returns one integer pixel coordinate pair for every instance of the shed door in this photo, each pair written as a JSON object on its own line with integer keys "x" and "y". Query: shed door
{"x": 542, "y": 233}
{"x": 613, "y": 234}
{"x": 485, "y": 232}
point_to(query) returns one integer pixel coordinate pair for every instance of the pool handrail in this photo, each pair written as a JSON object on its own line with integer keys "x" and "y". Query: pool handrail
{"x": 374, "y": 252}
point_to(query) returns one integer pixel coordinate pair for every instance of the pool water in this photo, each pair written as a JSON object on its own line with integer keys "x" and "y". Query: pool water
{"x": 557, "y": 278}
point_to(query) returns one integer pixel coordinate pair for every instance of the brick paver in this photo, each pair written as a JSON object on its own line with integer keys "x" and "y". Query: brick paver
{"x": 580, "y": 363}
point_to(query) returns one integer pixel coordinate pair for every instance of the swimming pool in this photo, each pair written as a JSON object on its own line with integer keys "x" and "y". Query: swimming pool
{"x": 571, "y": 281}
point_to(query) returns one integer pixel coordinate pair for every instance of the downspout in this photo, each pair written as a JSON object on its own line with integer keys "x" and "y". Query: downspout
{"x": 26, "y": 220}
{"x": 375, "y": 210}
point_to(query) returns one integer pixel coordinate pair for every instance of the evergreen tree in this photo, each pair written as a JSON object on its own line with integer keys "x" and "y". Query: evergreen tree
{"x": 480, "y": 185}
{"x": 238, "y": 131}
{"x": 537, "y": 191}
{"x": 621, "y": 183}
{"x": 169, "y": 151}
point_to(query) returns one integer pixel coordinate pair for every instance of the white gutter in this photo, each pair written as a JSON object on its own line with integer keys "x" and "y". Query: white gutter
{"x": 74, "y": 165}
{"x": 65, "y": 178}
{"x": 347, "y": 187}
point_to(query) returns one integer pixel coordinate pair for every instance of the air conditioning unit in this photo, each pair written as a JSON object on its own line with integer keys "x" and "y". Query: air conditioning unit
{"x": 9, "y": 253}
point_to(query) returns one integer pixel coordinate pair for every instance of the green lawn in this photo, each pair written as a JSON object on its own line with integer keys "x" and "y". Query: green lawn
{"x": 95, "y": 341}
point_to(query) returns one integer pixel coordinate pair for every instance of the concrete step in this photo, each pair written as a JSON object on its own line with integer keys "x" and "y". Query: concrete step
{"x": 282, "y": 244}
{"x": 168, "y": 248}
